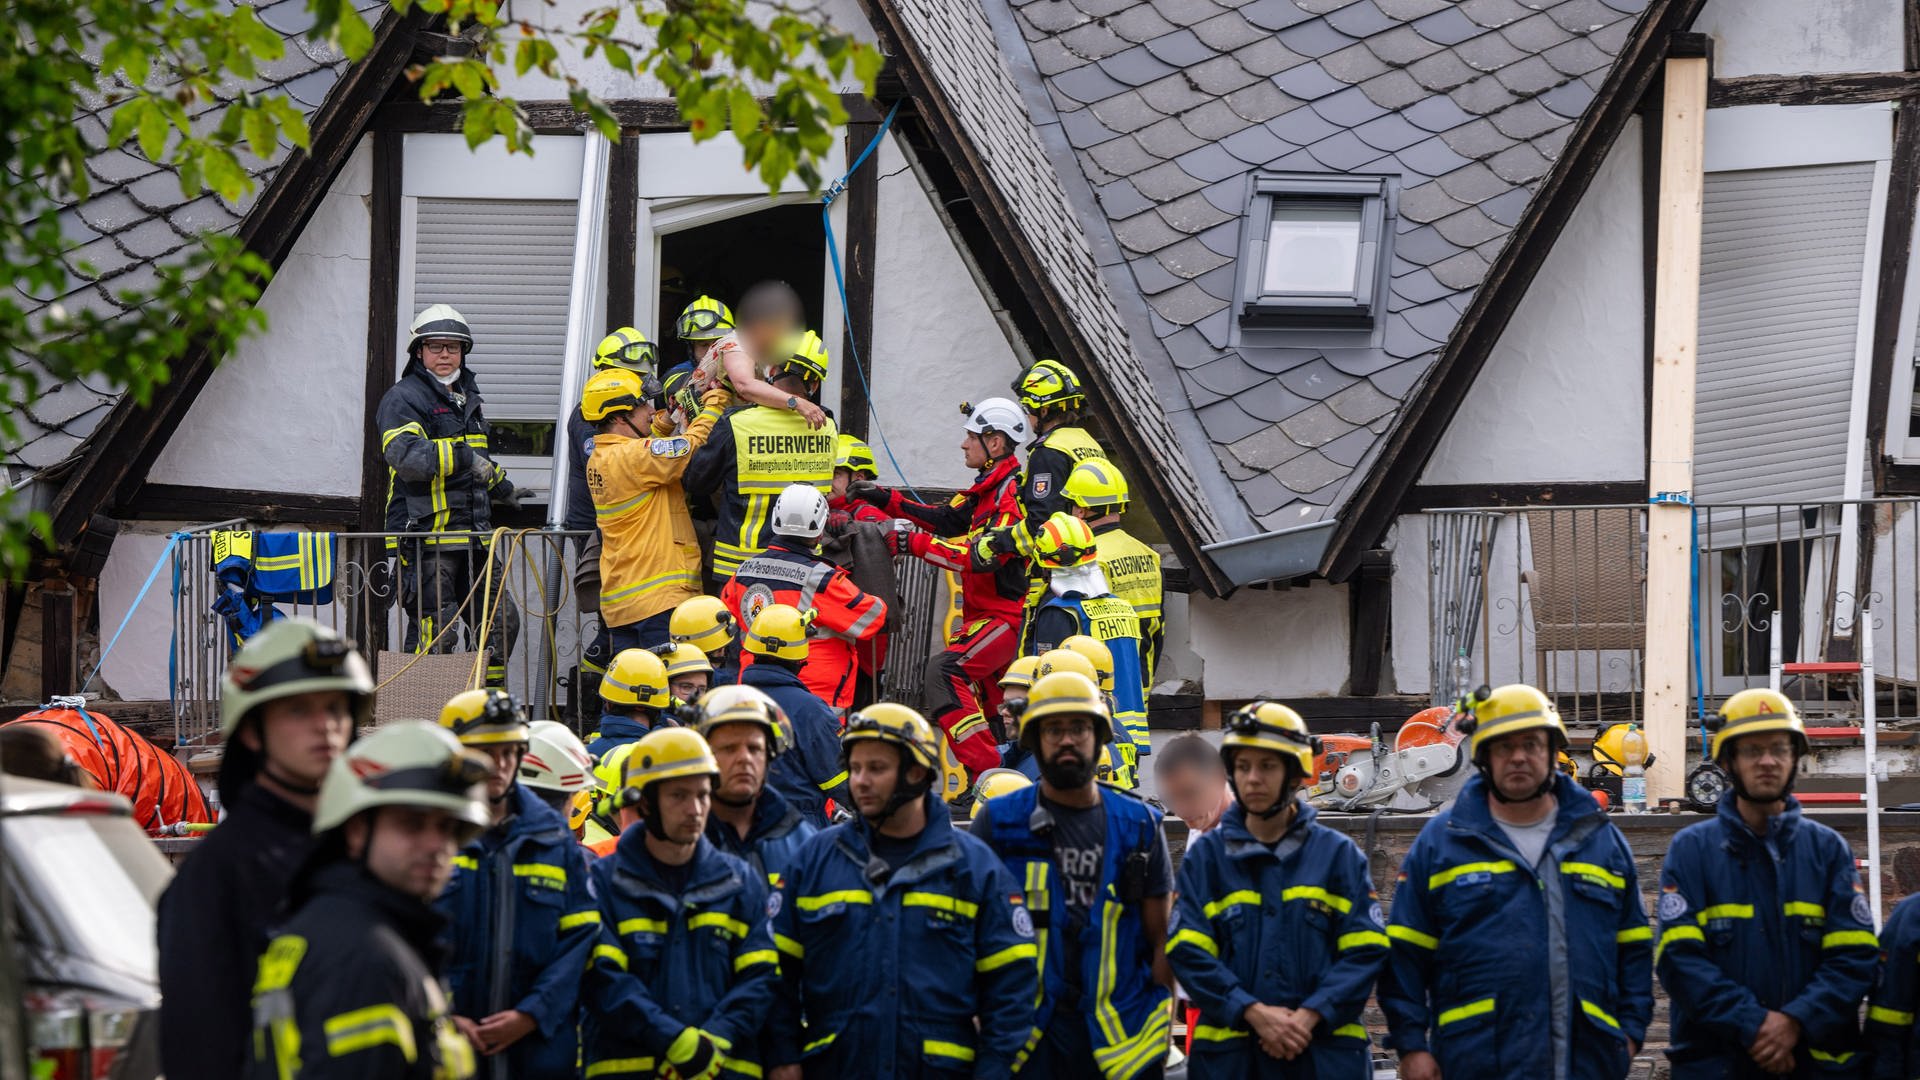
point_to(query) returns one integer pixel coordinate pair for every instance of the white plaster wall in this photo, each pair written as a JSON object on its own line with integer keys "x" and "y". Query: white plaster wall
{"x": 1281, "y": 643}
{"x": 1562, "y": 396}
{"x": 1781, "y": 37}
{"x": 283, "y": 412}
{"x": 136, "y": 669}
{"x": 936, "y": 342}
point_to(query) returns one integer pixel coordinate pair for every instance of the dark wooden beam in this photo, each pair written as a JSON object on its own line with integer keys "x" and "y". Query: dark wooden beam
{"x": 179, "y": 502}
{"x": 1842, "y": 88}
{"x": 1371, "y": 597}
{"x": 857, "y": 249}
{"x": 1653, "y": 119}
{"x": 119, "y": 453}
{"x": 1426, "y": 416}
{"x": 383, "y": 321}
{"x": 623, "y": 230}
{"x": 59, "y": 641}
{"x": 1581, "y": 493}
{"x": 559, "y": 118}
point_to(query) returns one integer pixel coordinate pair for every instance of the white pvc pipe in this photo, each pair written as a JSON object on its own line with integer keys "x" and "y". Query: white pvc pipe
{"x": 1869, "y": 726}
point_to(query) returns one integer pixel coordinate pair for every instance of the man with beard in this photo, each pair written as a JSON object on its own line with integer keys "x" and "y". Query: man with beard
{"x": 1766, "y": 939}
{"x": 288, "y": 707}
{"x": 1093, "y": 862}
{"x": 1520, "y": 944}
{"x": 904, "y": 942}
{"x": 1278, "y": 935}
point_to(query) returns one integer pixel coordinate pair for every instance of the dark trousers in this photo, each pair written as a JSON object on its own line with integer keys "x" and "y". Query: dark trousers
{"x": 434, "y": 585}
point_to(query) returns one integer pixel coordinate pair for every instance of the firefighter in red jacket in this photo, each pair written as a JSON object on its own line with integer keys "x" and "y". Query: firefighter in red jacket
{"x": 993, "y": 587}
{"x": 790, "y": 572}
{"x": 853, "y": 463}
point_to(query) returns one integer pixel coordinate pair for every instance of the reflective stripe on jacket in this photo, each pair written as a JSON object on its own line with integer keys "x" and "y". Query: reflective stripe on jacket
{"x": 1750, "y": 924}
{"x": 1111, "y": 620}
{"x": 649, "y": 555}
{"x": 755, "y": 453}
{"x": 428, "y": 441}
{"x": 1132, "y": 570}
{"x": 1501, "y": 969}
{"x": 991, "y": 586}
{"x": 843, "y": 614}
{"x": 891, "y": 974}
{"x": 1895, "y": 1042}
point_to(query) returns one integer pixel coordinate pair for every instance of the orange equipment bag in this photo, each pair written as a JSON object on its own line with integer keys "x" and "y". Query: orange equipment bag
{"x": 161, "y": 789}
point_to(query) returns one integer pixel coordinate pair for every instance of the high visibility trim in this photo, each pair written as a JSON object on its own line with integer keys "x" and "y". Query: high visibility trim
{"x": 653, "y": 584}
{"x": 364, "y": 1029}
{"x": 613, "y": 954}
{"x": 1451, "y": 873}
{"x": 1632, "y": 934}
{"x": 1594, "y": 870}
{"x": 1805, "y": 910}
{"x": 1210, "y": 1033}
{"x": 465, "y": 862}
{"x": 1026, "y": 950}
{"x": 1841, "y": 939}
{"x": 1314, "y": 892}
{"x": 719, "y": 920}
{"x": 1361, "y": 938}
{"x": 1350, "y": 1031}
{"x": 1832, "y": 1059}
{"x": 1189, "y": 936}
{"x": 1677, "y": 933}
{"x": 838, "y": 896}
{"x": 1232, "y": 899}
{"x": 411, "y": 426}
{"x": 608, "y": 513}
{"x": 1880, "y": 1014}
{"x": 1599, "y": 1014}
{"x": 642, "y": 926}
{"x": 950, "y": 904}
{"x": 837, "y": 779}
{"x": 579, "y": 918}
{"x": 1724, "y": 911}
{"x": 1412, "y": 937}
{"x": 1134, "y": 1053}
{"x": 541, "y": 871}
{"x": 755, "y": 956}
{"x": 789, "y": 946}
{"x": 940, "y": 1048}
{"x": 744, "y": 1068}
{"x": 621, "y": 1067}
{"x": 820, "y": 1042}
{"x": 1107, "y": 974}
{"x": 1466, "y": 1012}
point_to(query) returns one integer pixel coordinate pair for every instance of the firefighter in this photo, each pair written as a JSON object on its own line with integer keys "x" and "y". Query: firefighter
{"x": 751, "y": 820}
{"x": 756, "y": 451}
{"x": 705, "y": 623}
{"x": 1020, "y": 756}
{"x": 649, "y": 557}
{"x": 1096, "y": 493}
{"x": 558, "y": 770}
{"x": 963, "y": 678}
{"x": 770, "y": 313}
{"x": 1079, "y": 603}
{"x": 349, "y": 989}
{"x": 1093, "y": 862}
{"x": 607, "y": 819}
{"x": 1052, "y": 396}
{"x": 441, "y": 480}
{"x": 853, "y": 463}
{"x": 1278, "y": 935}
{"x": 520, "y": 919}
{"x": 626, "y": 349}
{"x": 1766, "y": 938}
{"x": 289, "y": 704}
{"x": 1119, "y": 763}
{"x": 636, "y": 698}
{"x": 790, "y": 571}
{"x": 808, "y": 774}
{"x": 1896, "y": 996}
{"x": 1520, "y": 944}
{"x": 689, "y": 672}
{"x": 908, "y": 948}
{"x": 685, "y": 970}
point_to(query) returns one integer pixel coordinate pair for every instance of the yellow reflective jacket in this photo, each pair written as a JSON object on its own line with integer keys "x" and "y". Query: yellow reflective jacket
{"x": 1132, "y": 569}
{"x": 649, "y": 556}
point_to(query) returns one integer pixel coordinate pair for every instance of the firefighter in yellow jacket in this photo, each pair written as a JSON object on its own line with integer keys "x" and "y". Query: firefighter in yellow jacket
{"x": 649, "y": 557}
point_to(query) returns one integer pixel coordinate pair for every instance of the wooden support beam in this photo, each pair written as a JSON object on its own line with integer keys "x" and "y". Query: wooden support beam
{"x": 59, "y": 641}
{"x": 383, "y": 321}
{"x": 184, "y": 502}
{"x": 559, "y": 118}
{"x": 1676, "y": 334}
{"x": 1843, "y": 88}
{"x": 1371, "y": 590}
{"x": 1579, "y": 493}
{"x": 862, "y": 200}
{"x": 623, "y": 231}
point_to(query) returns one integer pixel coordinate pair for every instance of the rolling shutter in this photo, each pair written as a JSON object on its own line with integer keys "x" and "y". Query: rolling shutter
{"x": 1781, "y": 262}
{"x": 507, "y": 266}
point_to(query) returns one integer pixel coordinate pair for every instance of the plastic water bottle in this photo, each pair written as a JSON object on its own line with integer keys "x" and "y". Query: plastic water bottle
{"x": 1462, "y": 675}
{"x": 1633, "y": 785}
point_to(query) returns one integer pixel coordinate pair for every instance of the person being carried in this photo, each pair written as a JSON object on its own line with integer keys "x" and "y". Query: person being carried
{"x": 734, "y": 357}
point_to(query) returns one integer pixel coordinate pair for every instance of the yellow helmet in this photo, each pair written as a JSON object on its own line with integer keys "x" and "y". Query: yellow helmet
{"x": 636, "y": 677}
{"x": 1065, "y": 693}
{"x": 579, "y": 808}
{"x": 1268, "y": 725}
{"x": 779, "y": 631}
{"x": 804, "y": 354}
{"x": 1096, "y": 484}
{"x": 1065, "y": 659}
{"x": 744, "y": 705}
{"x": 898, "y": 725}
{"x": 1097, "y": 654}
{"x": 994, "y": 783}
{"x": 1610, "y": 751}
{"x": 1064, "y": 542}
{"x": 626, "y": 348}
{"x": 1049, "y": 384}
{"x": 1751, "y": 712}
{"x": 683, "y": 659}
{"x": 610, "y": 391}
{"x": 851, "y": 453}
{"x": 702, "y": 622}
{"x": 666, "y": 753}
{"x": 1510, "y": 709}
{"x": 406, "y": 764}
{"x": 706, "y": 319}
{"x": 612, "y": 775}
{"x": 1019, "y": 674}
{"x": 485, "y": 718}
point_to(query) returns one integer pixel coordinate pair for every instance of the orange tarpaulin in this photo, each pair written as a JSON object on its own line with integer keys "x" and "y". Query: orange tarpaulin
{"x": 161, "y": 789}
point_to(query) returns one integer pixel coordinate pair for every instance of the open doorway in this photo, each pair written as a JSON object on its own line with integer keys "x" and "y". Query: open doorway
{"x": 722, "y": 258}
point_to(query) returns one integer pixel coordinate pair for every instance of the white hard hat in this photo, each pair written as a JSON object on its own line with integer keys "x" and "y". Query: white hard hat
{"x": 556, "y": 760}
{"x": 440, "y": 321}
{"x": 800, "y": 512}
{"x": 997, "y": 414}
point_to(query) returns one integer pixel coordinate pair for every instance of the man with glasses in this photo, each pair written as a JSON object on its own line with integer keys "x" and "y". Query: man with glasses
{"x": 1520, "y": 946}
{"x": 1766, "y": 938}
{"x": 1093, "y": 862}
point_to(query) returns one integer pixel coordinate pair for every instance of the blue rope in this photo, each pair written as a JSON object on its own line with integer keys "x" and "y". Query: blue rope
{"x": 840, "y": 282}
{"x": 173, "y": 541}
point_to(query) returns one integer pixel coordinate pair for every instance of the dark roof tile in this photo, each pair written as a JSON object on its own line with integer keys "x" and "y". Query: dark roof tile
{"x": 1275, "y": 14}
{"x": 1228, "y": 375}
{"x": 1186, "y": 12}
{"x": 1301, "y": 127}
{"x": 1401, "y": 45}
{"x": 1519, "y": 164}
{"x": 1534, "y": 34}
{"x": 1140, "y": 23}
{"x": 1254, "y": 145}
{"x": 1349, "y": 108}
{"x": 1264, "y": 494}
{"x": 1083, "y": 129}
{"x": 1343, "y": 152}
{"x": 1314, "y": 38}
{"x": 1393, "y": 90}
{"x": 1463, "y": 271}
{"x": 1529, "y": 76}
{"x": 1185, "y": 305}
{"x": 1479, "y": 139}
{"x": 1125, "y": 112}
{"x": 1145, "y": 233}
{"x": 312, "y": 88}
{"x": 1193, "y": 213}
{"x": 1198, "y": 396}
{"x": 1316, "y": 381}
{"x": 1482, "y": 96}
{"x": 1493, "y": 14}
{"x": 1228, "y": 196}
{"x": 1308, "y": 82}
{"x": 1361, "y": 19}
{"x": 1347, "y": 450}
{"x": 1221, "y": 75}
{"x": 1051, "y": 58}
{"x": 1570, "y": 99}
{"x": 1165, "y": 181}
{"x": 1448, "y": 27}
{"x": 1223, "y": 238}
{"x": 1526, "y": 120}
{"x": 1582, "y": 16}
{"x": 1427, "y": 202}
{"x": 1260, "y": 102}
{"x": 1354, "y": 64}
{"x": 1211, "y": 163}
{"x": 1174, "y": 94}
{"x": 1422, "y": 246}
{"x": 1316, "y": 425}
{"x": 1358, "y": 362}
{"x": 1430, "y": 158}
{"x": 1226, "y": 422}
{"x": 1441, "y": 71}
{"x": 1190, "y": 259}
{"x": 1473, "y": 184}
{"x": 1507, "y": 208}
{"x": 1181, "y": 48}
{"x": 1053, "y": 16}
{"x": 1136, "y": 67}
{"x": 1213, "y": 121}
{"x": 1576, "y": 57}
{"x": 1167, "y": 139}
{"x": 1550, "y": 143}
{"x": 1402, "y": 340}
{"x": 1489, "y": 52}
{"x": 1220, "y": 281}
{"x": 1267, "y": 57}
{"x": 1228, "y": 31}
{"x": 1398, "y": 380}
{"x": 1088, "y": 83}
{"x": 1271, "y": 401}
{"x": 1121, "y": 199}
{"x": 1389, "y": 133}
{"x": 1409, "y": 10}
{"x": 1611, "y": 39}
{"x": 1275, "y": 361}
{"x": 1152, "y": 277}
{"x": 289, "y": 17}
{"x": 1265, "y": 449}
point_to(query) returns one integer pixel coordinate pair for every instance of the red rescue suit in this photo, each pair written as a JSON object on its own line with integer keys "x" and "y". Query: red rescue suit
{"x": 843, "y": 615}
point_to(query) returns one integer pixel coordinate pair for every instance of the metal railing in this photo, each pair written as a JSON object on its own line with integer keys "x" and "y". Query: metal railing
{"x": 538, "y": 632}
{"x": 1557, "y": 597}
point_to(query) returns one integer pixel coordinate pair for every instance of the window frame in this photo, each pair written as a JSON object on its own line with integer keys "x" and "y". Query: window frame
{"x": 1357, "y": 308}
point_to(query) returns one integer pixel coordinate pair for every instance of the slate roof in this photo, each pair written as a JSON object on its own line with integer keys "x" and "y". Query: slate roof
{"x": 135, "y": 219}
{"x": 1154, "y": 113}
